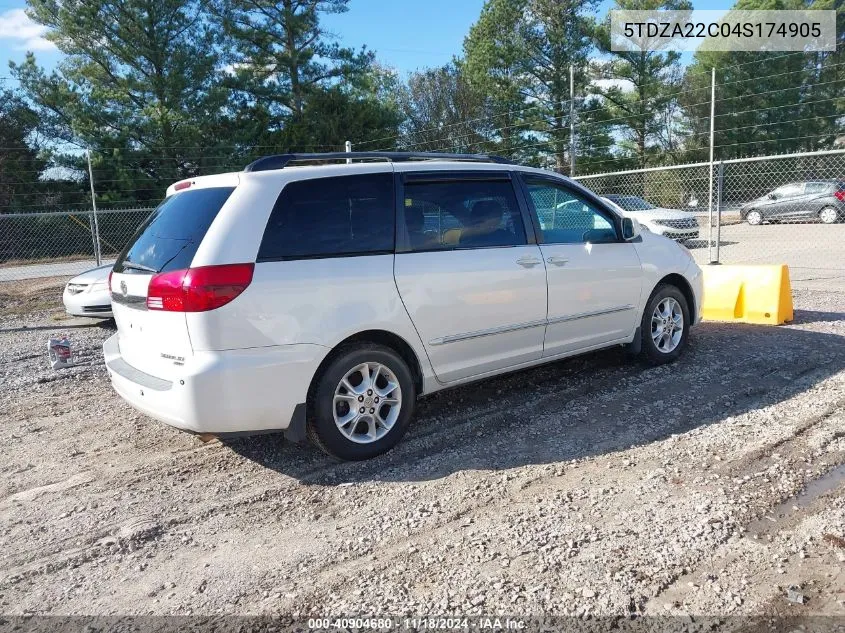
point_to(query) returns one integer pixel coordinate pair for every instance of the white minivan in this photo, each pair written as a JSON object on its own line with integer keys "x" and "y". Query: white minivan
{"x": 321, "y": 297}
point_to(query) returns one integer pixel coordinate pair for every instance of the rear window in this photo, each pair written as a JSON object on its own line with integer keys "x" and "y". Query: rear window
{"x": 330, "y": 217}
{"x": 819, "y": 187}
{"x": 170, "y": 237}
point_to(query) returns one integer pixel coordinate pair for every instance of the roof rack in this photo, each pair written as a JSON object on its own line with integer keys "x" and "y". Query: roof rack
{"x": 280, "y": 161}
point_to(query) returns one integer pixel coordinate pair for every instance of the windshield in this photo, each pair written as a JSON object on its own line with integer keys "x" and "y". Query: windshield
{"x": 631, "y": 203}
{"x": 170, "y": 237}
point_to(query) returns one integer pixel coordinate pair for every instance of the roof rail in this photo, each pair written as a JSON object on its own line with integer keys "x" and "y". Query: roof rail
{"x": 280, "y": 161}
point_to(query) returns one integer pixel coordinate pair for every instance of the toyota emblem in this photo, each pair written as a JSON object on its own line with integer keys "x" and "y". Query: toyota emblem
{"x": 123, "y": 288}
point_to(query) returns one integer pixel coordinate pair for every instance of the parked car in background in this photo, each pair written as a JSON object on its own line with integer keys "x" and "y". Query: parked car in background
{"x": 822, "y": 200}
{"x": 679, "y": 225}
{"x": 321, "y": 300}
{"x": 88, "y": 294}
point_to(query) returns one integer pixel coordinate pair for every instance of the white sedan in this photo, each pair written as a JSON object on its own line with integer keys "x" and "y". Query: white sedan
{"x": 678, "y": 225}
{"x": 88, "y": 294}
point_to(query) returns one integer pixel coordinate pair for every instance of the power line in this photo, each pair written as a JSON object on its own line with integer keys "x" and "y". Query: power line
{"x": 771, "y": 140}
{"x": 666, "y": 96}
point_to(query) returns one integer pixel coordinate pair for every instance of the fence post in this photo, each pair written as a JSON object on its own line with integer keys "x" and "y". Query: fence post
{"x": 720, "y": 189}
{"x": 94, "y": 209}
{"x": 710, "y": 195}
{"x": 348, "y": 147}
{"x": 571, "y": 121}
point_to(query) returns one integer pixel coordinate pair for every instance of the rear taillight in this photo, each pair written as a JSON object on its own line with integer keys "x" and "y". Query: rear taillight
{"x": 840, "y": 195}
{"x": 198, "y": 289}
{"x": 110, "y": 274}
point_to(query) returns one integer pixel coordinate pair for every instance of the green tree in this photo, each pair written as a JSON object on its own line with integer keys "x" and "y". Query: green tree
{"x": 526, "y": 48}
{"x": 331, "y": 117}
{"x": 595, "y": 145}
{"x": 281, "y": 55}
{"x": 642, "y": 91}
{"x": 139, "y": 85}
{"x": 492, "y": 65}
{"x": 767, "y": 102}
{"x": 442, "y": 111}
{"x": 20, "y": 164}
{"x": 556, "y": 34}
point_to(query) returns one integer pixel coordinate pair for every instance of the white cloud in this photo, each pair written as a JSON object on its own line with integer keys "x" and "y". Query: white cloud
{"x": 15, "y": 25}
{"x": 623, "y": 84}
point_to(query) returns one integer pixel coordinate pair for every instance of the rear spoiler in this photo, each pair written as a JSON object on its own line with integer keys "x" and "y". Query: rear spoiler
{"x": 203, "y": 182}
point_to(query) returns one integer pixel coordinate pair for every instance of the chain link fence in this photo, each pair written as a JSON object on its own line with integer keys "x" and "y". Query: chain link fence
{"x": 787, "y": 209}
{"x": 63, "y": 243}
{"x": 776, "y": 209}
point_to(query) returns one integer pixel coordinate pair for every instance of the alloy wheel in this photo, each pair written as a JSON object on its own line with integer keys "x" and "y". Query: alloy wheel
{"x": 367, "y": 402}
{"x": 667, "y": 325}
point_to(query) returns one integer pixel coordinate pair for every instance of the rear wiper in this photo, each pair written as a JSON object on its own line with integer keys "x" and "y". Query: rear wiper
{"x": 133, "y": 266}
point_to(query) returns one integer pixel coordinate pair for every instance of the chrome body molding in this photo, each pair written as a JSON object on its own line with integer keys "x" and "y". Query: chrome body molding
{"x": 587, "y": 315}
{"x": 454, "y": 338}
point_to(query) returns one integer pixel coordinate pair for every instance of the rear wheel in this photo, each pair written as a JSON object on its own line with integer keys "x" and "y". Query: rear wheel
{"x": 828, "y": 215}
{"x": 754, "y": 217}
{"x": 665, "y": 325}
{"x": 363, "y": 402}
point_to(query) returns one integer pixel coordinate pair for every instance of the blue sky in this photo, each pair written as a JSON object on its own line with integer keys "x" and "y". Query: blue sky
{"x": 406, "y": 34}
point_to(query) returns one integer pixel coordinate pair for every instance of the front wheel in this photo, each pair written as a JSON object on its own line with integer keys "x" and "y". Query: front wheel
{"x": 362, "y": 404}
{"x": 665, "y": 325}
{"x": 754, "y": 218}
{"x": 828, "y": 215}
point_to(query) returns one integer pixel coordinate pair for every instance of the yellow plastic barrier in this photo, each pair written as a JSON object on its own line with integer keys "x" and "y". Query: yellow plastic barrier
{"x": 749, "y": 294}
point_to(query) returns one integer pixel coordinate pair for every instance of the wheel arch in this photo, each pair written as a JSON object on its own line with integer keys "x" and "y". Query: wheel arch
{"x": 381, "y": 337}
{"x": 681, "y": 283}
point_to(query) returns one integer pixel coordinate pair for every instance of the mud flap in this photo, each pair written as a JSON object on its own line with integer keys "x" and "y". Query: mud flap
{"x": 636, "y": 346}
{"x": 295, "y": 432}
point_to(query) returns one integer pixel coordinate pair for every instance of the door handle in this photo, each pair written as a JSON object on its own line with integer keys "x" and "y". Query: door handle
{"x": 528, "y": 262}
{"x": 557, "y": 261}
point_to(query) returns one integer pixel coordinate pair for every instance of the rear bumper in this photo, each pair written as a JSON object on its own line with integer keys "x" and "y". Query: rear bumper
{"x": 224, "y": 392}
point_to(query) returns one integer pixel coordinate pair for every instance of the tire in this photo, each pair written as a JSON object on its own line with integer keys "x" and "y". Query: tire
{"x": 754, "y": 217}
{"x": 657, "y": 352}
{"x": 380, "y": 427}
{"x": 829, "y": 215}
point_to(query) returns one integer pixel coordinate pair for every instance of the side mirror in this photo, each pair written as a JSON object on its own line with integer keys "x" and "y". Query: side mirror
{"x": 773, "y": 196}
{"x": 630, "y": 229}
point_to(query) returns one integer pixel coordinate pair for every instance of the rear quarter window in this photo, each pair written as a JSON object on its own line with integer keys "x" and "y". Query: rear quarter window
{"x": 819, "y": 187}
{"x": 331, "y": 217}
{"x": 170, "y": 237}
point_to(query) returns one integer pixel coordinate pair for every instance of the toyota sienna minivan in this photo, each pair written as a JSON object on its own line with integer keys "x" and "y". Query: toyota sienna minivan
{"x": 321, "y": 294}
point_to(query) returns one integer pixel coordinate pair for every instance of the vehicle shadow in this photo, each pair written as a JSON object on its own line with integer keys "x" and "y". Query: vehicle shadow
{"x": 594, "y": 404}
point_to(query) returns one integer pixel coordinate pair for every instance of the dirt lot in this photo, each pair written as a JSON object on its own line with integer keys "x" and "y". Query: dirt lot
{"x": 593, "y": 486}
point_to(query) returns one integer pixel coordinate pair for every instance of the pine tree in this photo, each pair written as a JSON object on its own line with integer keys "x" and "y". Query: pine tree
{"x": 642, "y": 91}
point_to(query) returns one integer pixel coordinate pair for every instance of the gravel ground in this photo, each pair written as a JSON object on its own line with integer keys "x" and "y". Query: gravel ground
{"x": 595, "y": 486}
